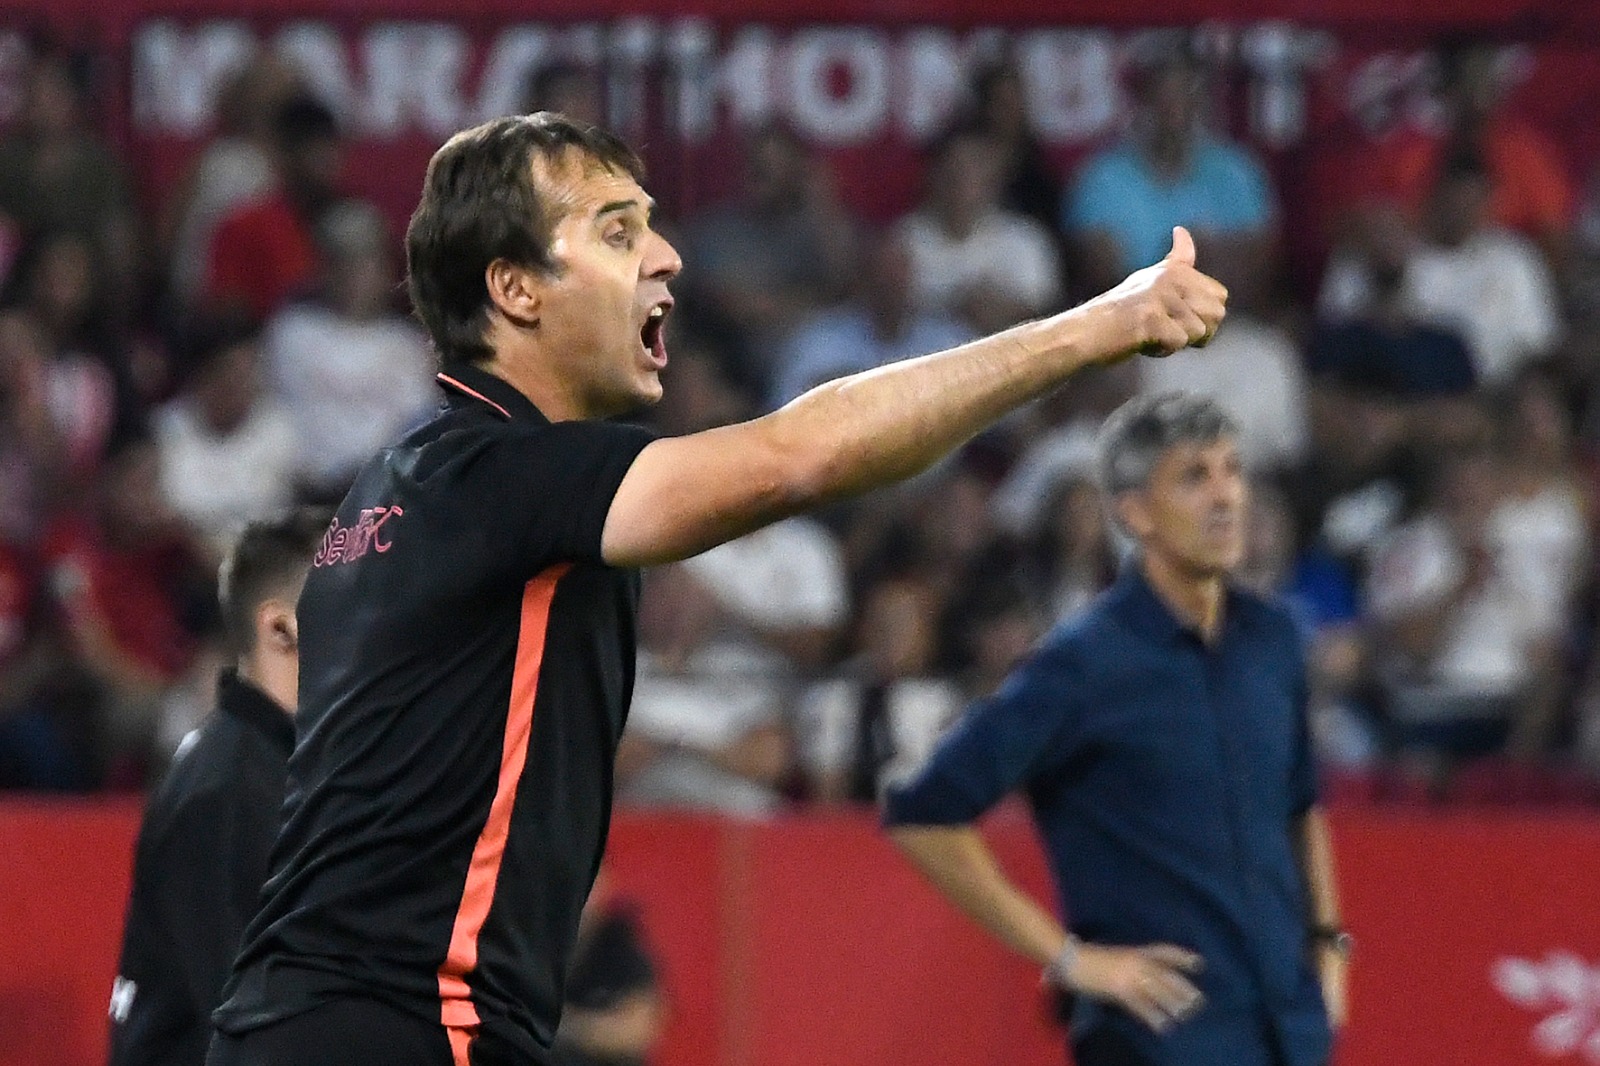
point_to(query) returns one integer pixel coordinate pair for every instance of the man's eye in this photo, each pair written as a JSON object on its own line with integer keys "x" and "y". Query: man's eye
{"x": 620, "y": 238}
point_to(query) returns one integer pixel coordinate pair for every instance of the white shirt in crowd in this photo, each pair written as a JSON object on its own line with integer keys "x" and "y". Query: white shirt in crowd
{"x": 351, "y": 388}
{"x": 790, "y": 575}
{"x": 1252, "y": 370}
{"x": 1538, "y": 546}
{"x": 1011, "y": 253}
{"x": 219, "y": 484}
{"x": 1494, "y": 290}
{"x": 917, "y": 710}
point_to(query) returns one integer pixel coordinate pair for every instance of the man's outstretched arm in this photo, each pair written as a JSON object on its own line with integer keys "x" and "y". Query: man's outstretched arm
{"x": 686, "y": 494}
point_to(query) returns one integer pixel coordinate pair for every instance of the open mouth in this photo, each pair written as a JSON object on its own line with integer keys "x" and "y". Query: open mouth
{"x": 653, "y": 334}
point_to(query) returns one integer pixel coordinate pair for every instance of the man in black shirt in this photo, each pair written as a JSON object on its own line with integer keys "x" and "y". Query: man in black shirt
{"x": 202, "y": 854}
{"x": 469, "y": 620}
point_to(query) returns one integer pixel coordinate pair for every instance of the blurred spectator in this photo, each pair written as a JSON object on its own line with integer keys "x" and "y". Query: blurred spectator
{"x": 235, "y": 168}
{"x": 1062, "y": 447}
{"x": 227, "y": 450}
{"x": 125, "y": 581}
{"x": 68, "y": 393}
{"x": 726, "y": 639}
{"x": 988, "y": 628}
{"x": 1528, "y": 188}
{"x": 1384, "y": 347}
{"x": 1028, "y": 183}
{"x": 879, "y": 326}
{"x": 351, "y": 371}
{"x": 614, "y": 1011}
{"x": 1469, "y": 619}
{"x": 56, "y": 176}
{"x": 878, "y": 720}
{"x": 43, "y": 744}
{"x": 1321, "y": 593}
{"x": 574, "y": 89}
{"x": 1252, "y": 369}
{"x": 784, "y": 247}
{"x": 1171, "y": 171}
{"x": 970, "y": 257}
{"x": 1466, "y": 275}
{"x": 1077, "y": 559}
{"x": 263, "y": 252}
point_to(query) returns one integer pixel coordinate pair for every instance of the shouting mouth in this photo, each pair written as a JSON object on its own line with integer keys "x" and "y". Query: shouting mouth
{"x": 652, "y": 335}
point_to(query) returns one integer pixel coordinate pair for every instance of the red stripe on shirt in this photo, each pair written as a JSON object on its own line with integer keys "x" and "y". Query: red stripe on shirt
{"x": 456, "y": 1007}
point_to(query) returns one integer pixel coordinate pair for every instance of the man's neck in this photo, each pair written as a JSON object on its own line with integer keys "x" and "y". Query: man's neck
{"x": 529, "y": 376}
{"x": 1196, "y": 599}
{"x": 278, "y": 682}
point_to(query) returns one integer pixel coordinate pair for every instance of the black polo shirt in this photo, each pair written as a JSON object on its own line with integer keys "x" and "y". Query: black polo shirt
{"x": 197, "y": 875}
{"x": 467, "y": 659}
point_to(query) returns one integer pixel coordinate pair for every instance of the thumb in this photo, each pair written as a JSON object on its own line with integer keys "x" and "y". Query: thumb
{"x": 1182, "y": 247}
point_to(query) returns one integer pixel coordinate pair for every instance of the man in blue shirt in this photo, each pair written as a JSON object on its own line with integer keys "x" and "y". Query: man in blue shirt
{"x": 1161, "y": 739}
{"x": 1170, "y": 170}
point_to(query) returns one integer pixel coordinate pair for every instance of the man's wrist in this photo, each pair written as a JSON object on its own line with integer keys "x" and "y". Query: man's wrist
{"x": 1333, "y": 937}
{"x": 1060, "y": 970}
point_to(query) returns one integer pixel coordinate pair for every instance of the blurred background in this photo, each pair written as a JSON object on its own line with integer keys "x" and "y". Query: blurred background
{"x": 202, "y": 320}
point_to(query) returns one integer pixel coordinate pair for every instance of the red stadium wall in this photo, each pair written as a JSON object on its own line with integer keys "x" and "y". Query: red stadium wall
{"x": 807, "y": 942}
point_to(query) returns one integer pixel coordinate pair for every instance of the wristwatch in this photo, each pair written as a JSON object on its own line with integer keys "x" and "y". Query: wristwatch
{"x": 1060, "y": 968}
{"x": 1334, "y": 938}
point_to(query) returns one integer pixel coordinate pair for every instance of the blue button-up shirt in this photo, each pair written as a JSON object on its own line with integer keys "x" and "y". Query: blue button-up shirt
{"x": 1165, "y": 776}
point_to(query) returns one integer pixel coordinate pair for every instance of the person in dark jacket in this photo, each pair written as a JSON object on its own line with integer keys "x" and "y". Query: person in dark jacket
{"x": 203, "y": 848}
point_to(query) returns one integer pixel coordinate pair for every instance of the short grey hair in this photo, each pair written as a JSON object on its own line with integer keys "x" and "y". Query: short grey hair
{"x": 1137, "y": 433}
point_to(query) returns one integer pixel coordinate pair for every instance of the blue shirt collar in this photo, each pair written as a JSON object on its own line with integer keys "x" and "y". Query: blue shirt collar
{"x": 1141, "y": 607}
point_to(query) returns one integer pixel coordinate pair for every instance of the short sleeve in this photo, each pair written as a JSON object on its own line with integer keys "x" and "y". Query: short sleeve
{"x": 1001, "y": 744}
{"x": 547, "y": 492}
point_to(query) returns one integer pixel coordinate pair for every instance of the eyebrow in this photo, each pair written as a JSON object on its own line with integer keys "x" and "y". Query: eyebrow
{"x": 625, "y": 205}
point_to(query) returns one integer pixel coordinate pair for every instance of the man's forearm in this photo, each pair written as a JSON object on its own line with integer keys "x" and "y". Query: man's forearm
{"x": 959, "y": 864}
{"x": 683, "y": 495}
{"x": 1316, "y": 861}
{"x": 885, "y": 425}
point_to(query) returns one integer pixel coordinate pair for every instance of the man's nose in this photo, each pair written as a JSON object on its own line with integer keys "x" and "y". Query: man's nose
{"x": 663, "y": 262}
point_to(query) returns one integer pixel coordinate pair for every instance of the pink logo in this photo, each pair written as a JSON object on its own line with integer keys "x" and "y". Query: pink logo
{"x": 346, "y": 544}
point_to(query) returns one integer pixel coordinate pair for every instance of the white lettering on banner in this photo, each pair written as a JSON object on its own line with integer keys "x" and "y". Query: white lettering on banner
{"x": 859, "y": 112}
{"x": 836, "y": 84}
{"x": 513, "y": 57}
{"x": 1564, "y": 988}
{"x": 414, "y": 78}
{"x": 317, "y": 49}
{"x": 1070, "y": 79}
{"x": 176, "y": 72}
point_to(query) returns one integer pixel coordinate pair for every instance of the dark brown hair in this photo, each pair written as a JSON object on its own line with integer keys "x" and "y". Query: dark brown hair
{"x": 480, "y": 203}
{"x": 268, "y": 558}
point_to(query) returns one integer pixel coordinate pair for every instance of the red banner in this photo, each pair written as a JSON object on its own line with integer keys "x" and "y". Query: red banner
{"x": 1309, "y": 84}
{"x": 806, "y": 940}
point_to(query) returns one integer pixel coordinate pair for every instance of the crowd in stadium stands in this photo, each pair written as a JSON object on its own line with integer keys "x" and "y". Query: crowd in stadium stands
{"x": 1421, "y": 426}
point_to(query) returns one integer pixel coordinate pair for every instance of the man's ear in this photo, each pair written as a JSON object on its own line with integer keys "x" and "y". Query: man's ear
{"x": 1133, "y": 512}
{"x": 515, "y": 291}
{"x": 276, "y": 627}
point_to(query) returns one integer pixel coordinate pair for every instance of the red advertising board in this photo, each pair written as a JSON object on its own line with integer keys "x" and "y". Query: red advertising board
{"x": 806, "y": 940}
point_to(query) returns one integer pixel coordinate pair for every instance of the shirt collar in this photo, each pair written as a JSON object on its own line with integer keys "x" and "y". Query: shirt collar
{"x": 1146, "y": 611}
{"x": 255, "y": 708}
{"x": 465, "y": 384}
